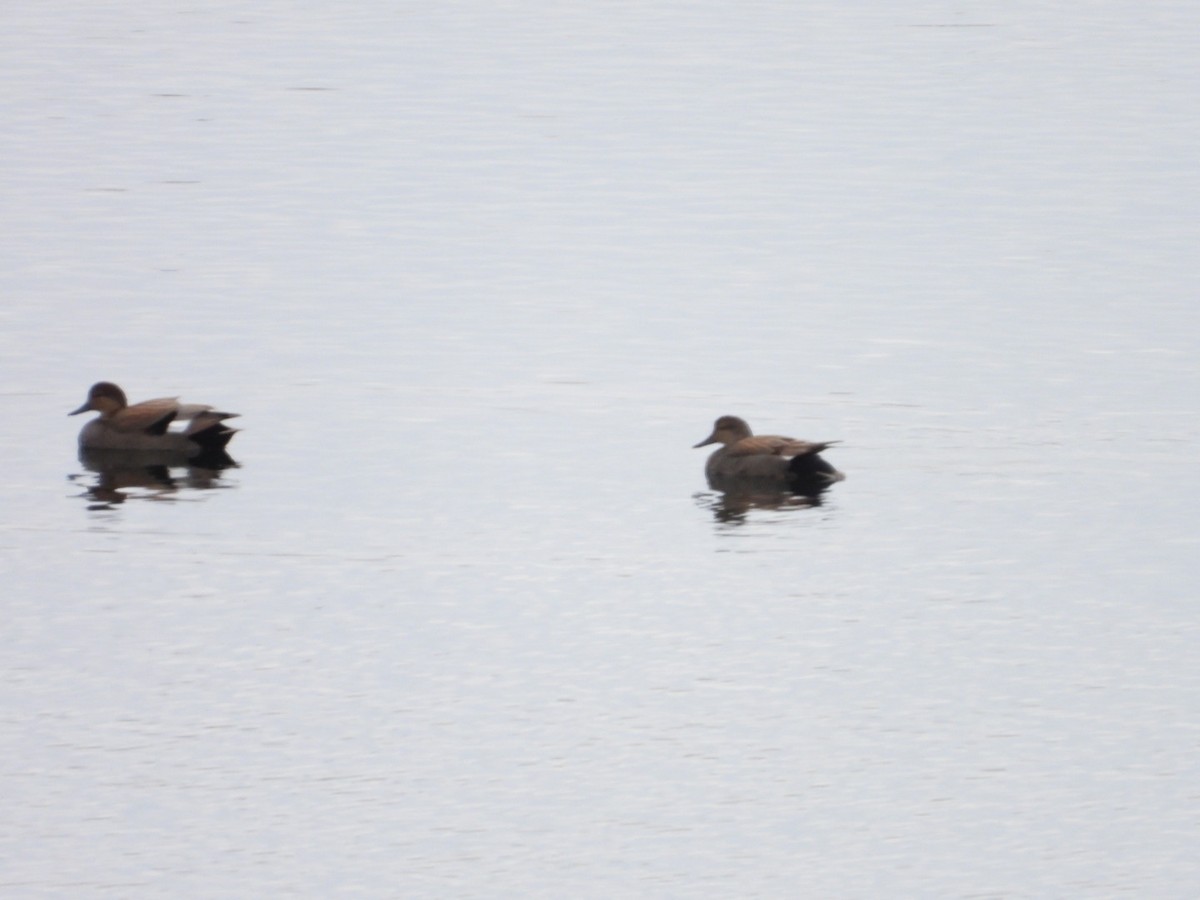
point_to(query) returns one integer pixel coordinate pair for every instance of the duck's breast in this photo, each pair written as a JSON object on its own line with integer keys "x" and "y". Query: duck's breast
{"x": 725, "y": 466}
{"x": 100, "y": 434}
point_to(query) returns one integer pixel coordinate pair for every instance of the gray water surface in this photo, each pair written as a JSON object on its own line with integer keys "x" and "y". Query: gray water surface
{"x": 466, "y": 621}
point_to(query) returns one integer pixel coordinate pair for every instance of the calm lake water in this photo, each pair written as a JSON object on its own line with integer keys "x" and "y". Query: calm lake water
{"x": 466, "y": 620}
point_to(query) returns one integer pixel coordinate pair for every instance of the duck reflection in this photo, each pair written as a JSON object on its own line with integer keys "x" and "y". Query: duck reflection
{"x": 152, "y": 474}
{"x": 731, "y": 507}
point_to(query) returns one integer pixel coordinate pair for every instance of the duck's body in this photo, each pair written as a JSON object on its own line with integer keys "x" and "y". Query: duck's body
{"x": 765, "y": 462}
{"x": 147, "y": 425}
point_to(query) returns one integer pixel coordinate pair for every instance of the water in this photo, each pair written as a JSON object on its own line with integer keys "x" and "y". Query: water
{"x": 466, "y": 621}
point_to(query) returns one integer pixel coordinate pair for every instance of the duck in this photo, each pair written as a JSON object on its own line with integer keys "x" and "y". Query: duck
{"x": 765, "y": 462}
{"x": 146, "y": 425}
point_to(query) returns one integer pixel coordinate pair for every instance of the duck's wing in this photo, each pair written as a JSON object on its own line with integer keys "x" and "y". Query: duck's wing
{"x": 204, "y": 420}
{"x": 147, "y": 417}
{"x": 184, "y": 411}
{"x": 776, "y": 445}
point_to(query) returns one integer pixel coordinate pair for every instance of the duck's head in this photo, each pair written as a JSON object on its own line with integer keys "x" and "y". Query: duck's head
{"x": 727, "y": 430}
{"x": 104, "y": 397}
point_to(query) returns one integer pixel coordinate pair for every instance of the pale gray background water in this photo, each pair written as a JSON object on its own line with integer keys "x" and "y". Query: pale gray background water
{"x": 466, "y": 622}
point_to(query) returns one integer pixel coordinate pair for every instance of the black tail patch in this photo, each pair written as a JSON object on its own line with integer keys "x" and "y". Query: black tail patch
{"x": 810, "y": 474}
{"x": 213, "y": 438}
